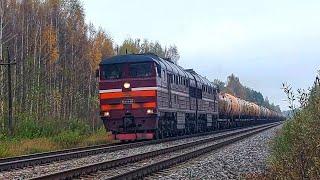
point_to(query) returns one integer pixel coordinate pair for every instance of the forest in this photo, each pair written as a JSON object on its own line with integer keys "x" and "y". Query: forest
{"x": 56, "y": 55}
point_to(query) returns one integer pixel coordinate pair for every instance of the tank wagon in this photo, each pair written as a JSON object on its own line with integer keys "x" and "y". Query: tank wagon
{"x": 143, "y": 96}
{"x": 233, "y": 110}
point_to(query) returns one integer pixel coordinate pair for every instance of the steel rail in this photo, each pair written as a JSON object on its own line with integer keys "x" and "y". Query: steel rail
{"x": 155, "y": 167}
{"x": 47, "y": 157}
{"x": 88, "y": 169}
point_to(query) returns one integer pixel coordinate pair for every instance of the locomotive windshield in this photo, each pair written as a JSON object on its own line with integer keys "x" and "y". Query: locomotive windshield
{"x": 124, "y": 70}
{"x": 140, "y": 70}
{"x": 112, "y": 71}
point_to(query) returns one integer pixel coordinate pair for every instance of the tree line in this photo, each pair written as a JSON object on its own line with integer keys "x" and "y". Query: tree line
{"x": 234, "y": 87}
{"x": 136, "y": 46}
{"x": 57, "y": 54}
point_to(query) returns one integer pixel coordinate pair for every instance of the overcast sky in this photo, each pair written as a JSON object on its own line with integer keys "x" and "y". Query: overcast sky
{"x": 263, "y": 42}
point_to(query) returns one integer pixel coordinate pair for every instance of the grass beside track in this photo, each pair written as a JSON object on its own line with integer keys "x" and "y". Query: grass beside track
{"x": 16, "y": 147}
{"x": 32, "y": 136}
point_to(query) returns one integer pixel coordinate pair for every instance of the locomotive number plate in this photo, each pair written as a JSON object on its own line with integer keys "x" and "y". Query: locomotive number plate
{"x": 127, "y": 101}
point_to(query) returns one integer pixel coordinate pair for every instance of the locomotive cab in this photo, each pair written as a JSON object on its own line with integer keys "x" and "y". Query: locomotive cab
{"x": 127, "y": 89}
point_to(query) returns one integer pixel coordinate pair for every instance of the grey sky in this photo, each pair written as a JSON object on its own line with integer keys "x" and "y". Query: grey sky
{"x": 264, "y": 43}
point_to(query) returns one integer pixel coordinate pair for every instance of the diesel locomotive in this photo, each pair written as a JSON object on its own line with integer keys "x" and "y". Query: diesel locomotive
{"x": 143, "y": 96}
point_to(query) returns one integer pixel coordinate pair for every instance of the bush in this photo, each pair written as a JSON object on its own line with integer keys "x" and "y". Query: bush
{"x": 80, "y": 126}
{"x": 28, "y": 127}
{"x": 67, "y": 139}
{"x": 296, "y": 150}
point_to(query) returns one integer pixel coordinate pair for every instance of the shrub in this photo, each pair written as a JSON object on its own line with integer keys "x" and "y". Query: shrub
{"x": 296, "y": 150}
{"x": 67, "y": 139}
{"x": 80, "y": 126}
{"x": 28, "y": 128}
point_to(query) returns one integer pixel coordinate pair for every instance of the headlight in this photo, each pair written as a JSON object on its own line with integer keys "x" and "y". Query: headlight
{"x": 126, "y": 85}
{"x": 106, "y": 114}
{"x": 149, "y": 111}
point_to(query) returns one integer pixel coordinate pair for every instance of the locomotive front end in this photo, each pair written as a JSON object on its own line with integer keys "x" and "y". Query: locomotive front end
{"x": 128, "y": 97}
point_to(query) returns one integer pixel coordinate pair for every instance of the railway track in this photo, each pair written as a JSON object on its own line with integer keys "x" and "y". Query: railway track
{"x": 142, "y": 164}
{"x": 49, "y": 157}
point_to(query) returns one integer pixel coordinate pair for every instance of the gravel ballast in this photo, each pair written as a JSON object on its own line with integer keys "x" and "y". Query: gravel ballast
{"x": 231, "y": 162}
{"x": 132, "y": 166}
{"x": 38, "y": 170}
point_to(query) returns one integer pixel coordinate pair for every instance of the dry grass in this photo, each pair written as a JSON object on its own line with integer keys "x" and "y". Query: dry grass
{"x": 96, "y": 139}
{"x": 11, "y": 148}
{"x": 27, "y": 146}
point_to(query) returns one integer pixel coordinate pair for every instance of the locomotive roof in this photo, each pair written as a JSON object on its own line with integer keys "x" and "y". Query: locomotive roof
{"x": 127, "y": 59}
{"x": 165, "y": 64}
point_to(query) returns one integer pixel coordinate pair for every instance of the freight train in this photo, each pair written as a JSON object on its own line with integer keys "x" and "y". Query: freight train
{"x": 143, "y": 96}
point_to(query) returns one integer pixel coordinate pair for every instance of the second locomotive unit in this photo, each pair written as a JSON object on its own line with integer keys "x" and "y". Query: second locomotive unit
{"x": 143, "y": 96}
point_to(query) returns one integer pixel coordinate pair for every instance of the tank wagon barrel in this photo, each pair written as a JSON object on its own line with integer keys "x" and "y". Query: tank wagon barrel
{"x": 232, "y": 106}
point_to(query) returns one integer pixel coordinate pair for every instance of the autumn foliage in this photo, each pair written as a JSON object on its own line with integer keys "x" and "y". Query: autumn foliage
{"x": 50, "y": 44}
{"x": 57, "y": 54}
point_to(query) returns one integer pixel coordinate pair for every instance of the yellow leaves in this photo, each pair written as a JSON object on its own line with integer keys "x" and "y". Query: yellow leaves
{"x": 49, "y": 37}
{"x": 130, "y": 46}
{"x": 100, "y": 47}
{"x": 95, "y": 56}
{"x": 54, "y": 3}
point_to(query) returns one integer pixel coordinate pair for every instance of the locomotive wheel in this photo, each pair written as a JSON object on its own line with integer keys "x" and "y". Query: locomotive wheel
{"x": 158, "y": 134}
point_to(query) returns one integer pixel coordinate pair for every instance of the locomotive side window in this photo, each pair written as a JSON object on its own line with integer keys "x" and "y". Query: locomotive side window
{"x": 170, "y": 78}
{"x": 164, "y": 75}
{"x": 159, "y": 70}
{"x": 192, "y": 92}
{"x": 140, "y": 70}
{"x": 199, "y": 94}
{"x": 112, "y": 71}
